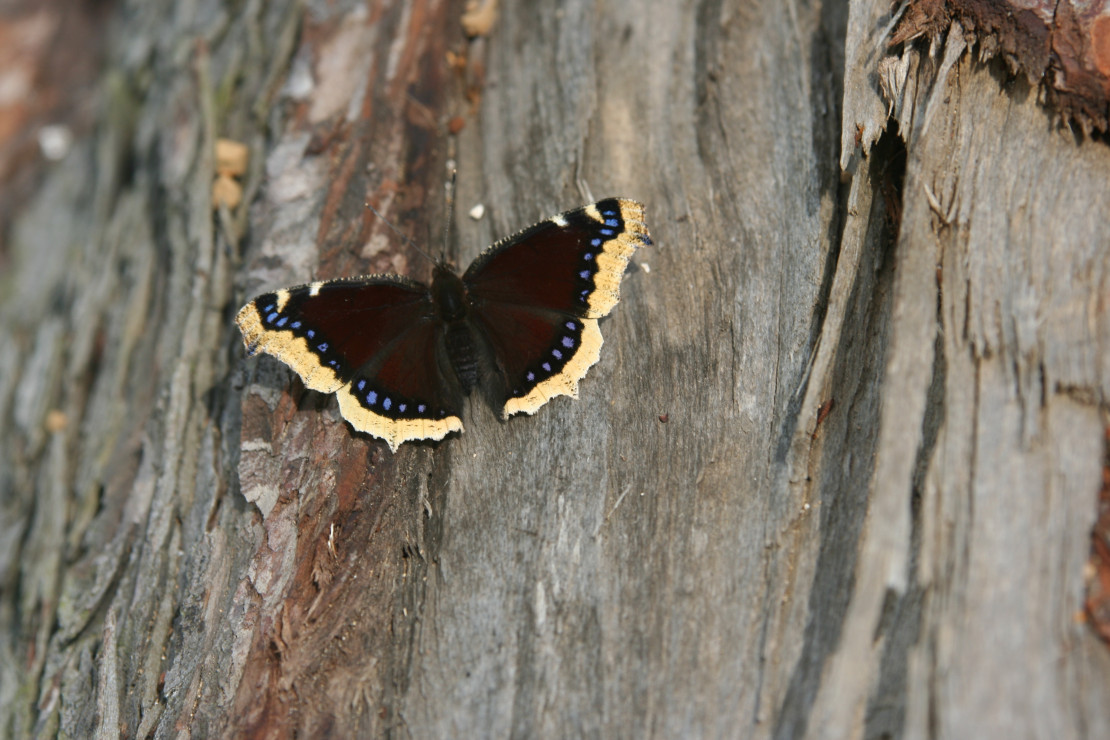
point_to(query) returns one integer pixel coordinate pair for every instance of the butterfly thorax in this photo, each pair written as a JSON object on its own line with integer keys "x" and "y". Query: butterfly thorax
{"x": 452, "y": 308}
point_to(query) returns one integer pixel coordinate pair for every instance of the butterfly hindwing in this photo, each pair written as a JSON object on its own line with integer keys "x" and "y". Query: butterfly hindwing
{"x": 403, "y": 393}
{"x": 537, "y": 296}
{"x": 539, "y": 355}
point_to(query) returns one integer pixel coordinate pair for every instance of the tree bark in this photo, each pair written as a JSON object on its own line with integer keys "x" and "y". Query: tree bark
{"x": 833, "y": 476}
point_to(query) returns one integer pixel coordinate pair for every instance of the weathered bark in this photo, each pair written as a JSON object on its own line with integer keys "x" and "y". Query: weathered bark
{"x": 885, "y": 390}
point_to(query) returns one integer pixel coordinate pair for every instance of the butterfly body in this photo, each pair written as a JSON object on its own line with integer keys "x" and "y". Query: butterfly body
{"x": 452, "y": 305}
{"x": 522, "y": 322}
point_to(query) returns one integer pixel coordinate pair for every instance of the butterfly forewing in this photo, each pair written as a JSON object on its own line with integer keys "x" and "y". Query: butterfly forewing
{"x": 326, "y": 331}
{"x": 571, "y": 263}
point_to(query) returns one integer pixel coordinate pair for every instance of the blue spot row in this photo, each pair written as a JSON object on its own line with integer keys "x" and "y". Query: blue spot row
{"x": 279, "y": 321}
{"x": 588, "y": 258}
{"x": 389, "y": 402}
{"x": 560, "y": 354}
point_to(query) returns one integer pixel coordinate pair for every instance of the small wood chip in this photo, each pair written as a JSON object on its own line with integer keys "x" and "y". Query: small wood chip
{"x": 479, "y": 17}
{"x": 231, "y": 157}
{"x": 226, "y": 191}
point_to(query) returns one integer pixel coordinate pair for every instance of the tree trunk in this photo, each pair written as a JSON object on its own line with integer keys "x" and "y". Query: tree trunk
{"x": 834, "y": 475}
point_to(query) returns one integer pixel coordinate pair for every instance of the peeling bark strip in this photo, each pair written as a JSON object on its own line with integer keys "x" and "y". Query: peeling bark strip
{"x": 1064, "y": 45}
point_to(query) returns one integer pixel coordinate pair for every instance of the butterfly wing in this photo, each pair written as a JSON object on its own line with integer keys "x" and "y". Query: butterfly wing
{"x": 372, "y": 340}
{"x": 536, "y": 298}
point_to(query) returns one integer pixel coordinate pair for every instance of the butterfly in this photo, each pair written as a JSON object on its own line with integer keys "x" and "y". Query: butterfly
{"x": 521, "y": 322}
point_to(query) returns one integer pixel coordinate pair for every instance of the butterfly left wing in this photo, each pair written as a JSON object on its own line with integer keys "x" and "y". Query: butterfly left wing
{"x": 536, "y": 297}
{"x": 372, "y": 340}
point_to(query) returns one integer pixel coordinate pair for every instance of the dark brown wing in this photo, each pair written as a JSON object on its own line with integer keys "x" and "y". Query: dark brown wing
{"x": 536, "y": 297}
{"x": 372, "y": 340}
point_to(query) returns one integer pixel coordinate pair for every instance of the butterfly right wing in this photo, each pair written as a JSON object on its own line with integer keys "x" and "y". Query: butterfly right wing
{"x": 372, "y": 340}
{"x": 537, "y": 297}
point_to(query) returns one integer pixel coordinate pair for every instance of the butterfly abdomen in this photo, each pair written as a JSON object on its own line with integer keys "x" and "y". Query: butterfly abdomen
{"x": 462, "y": 354}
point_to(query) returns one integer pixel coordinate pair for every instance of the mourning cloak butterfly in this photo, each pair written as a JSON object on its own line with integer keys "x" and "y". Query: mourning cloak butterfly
{"x": 400, "y": 354}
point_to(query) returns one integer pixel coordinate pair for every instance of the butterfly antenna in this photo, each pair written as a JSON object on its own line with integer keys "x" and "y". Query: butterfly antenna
{"x": 404, "y": 237}
{"x": 450, "y": 211}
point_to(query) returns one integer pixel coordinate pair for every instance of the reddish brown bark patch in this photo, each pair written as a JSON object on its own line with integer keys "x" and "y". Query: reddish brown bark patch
{"x": 1061, "y": 45}
{"x": 924, "y": 18}
{"x": 340, "y": 572}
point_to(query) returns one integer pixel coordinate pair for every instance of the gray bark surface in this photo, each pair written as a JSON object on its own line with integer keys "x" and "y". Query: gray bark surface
{"x": 881, "y": 349}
